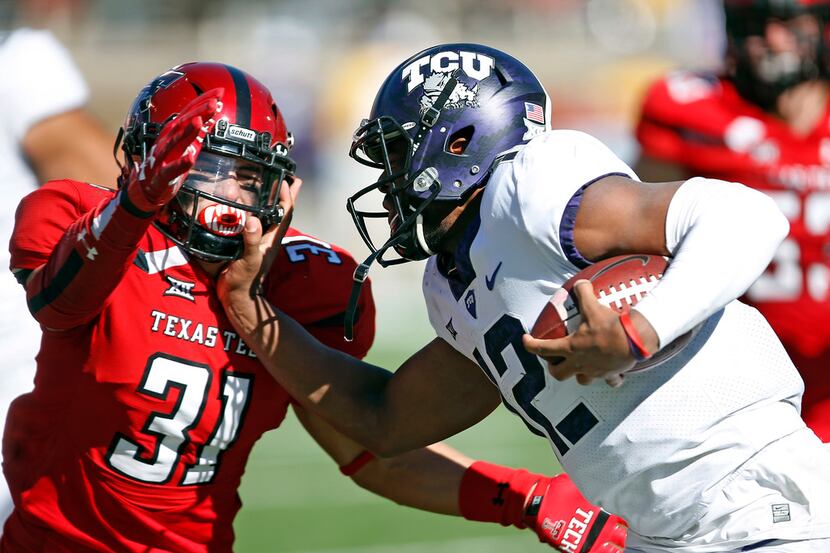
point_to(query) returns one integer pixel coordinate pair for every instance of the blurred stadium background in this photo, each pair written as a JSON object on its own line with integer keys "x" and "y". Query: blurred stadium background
{"x": 324, "y": 60}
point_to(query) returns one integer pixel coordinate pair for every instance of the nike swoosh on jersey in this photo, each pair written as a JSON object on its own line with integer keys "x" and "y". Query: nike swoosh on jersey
{"x": 491, "y": 280}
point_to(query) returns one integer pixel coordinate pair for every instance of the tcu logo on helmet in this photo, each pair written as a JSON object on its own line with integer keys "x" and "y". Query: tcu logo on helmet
{"x": 475, "y": 65}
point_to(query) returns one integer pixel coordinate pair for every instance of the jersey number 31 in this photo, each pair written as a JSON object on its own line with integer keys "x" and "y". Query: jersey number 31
{"x": 171, "y": 429}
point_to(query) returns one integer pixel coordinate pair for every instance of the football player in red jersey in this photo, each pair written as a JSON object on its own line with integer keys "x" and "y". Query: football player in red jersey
{"x": 147, "y": 403}
{"x": 764, "y": 122}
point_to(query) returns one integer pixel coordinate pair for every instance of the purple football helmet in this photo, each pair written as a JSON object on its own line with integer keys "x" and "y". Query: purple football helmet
{"x": 438, "y": 95}
{"x": 450, "y": 91}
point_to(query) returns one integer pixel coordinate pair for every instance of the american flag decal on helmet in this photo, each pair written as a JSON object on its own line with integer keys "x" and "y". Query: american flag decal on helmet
{"x": 534, "y": 112}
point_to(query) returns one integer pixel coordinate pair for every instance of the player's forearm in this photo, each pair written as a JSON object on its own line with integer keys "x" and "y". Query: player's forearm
{"x": 722, "y": 235}
{"x": 348, "y": 393}
{"x": 85, "y": 267}
{"x": 442, "y": 480}
{"x": 435, "y": 394}
{"x": 427, "y": 478}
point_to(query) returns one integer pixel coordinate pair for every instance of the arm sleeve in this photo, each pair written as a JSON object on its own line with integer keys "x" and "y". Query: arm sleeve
{"x": 721, "y": 235}
{"x": 40, "y": 80}
{"x": 79, "y": 245}
{"x": 311, "y": 282}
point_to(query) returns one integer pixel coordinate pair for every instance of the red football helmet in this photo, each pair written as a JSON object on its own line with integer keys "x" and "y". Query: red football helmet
{"x": 248, "y": 147}
{"x": 763, "y": 80}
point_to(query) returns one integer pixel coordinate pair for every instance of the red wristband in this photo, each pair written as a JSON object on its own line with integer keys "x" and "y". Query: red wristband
{"x": 493, "y": 493}
{"x": 351, "y": 468}
{"x": 635, "y": 341}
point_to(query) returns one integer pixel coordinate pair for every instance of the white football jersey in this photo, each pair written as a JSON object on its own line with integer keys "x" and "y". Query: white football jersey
{"x": 654, "y": 449}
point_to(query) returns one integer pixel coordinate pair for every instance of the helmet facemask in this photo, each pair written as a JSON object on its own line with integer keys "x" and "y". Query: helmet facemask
{"x": 384, "y": 144}
{"x": 207, "y": 216}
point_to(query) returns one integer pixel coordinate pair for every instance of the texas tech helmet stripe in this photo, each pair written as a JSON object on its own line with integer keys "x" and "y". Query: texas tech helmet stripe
{"x": 243, "y": 97}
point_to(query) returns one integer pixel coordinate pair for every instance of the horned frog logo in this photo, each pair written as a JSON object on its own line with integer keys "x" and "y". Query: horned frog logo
{"x": 461, "y": 96}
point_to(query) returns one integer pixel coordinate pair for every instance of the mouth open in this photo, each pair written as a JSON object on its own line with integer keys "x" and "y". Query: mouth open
{"x": 223, "y": 220}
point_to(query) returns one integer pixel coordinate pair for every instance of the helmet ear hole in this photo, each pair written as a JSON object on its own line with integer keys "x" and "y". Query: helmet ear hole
{"x": 459, "y": 141}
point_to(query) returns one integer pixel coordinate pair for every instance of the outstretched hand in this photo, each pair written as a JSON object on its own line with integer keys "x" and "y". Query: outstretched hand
{"x": 599, "y": 347}
{"x": 158, "y": 178}
{"x": 241, "y": 279}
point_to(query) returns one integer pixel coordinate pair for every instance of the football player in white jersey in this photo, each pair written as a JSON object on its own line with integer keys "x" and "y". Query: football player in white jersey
{"x": 703, "y": 452}
{"x": 45, "y": 133}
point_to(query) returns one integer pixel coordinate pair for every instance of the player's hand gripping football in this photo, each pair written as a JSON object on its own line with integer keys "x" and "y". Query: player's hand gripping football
{"x": 159, "y": 177}
{"x": 599, "y": 348}
{"x": 564, "y": 519}
{"x": 240, "y": 279}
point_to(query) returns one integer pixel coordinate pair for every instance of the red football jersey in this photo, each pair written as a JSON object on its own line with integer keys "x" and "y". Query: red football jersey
{"x": 701, "y": 123}
{"x": 140, "y": 424}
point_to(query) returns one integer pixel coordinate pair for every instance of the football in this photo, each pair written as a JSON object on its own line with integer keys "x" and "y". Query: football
{"x": 619, "y": 283}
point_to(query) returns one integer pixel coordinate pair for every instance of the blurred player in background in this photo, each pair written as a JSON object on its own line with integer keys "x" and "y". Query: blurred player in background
{"x": 147, "y": 403}
{"x": 703, "y": 452}
{"x": 765, "y": 122}
{"x": 45, "y": 133}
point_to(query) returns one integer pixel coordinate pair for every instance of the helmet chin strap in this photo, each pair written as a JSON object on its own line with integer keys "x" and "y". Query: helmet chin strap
{"x": 360, "y": 275}
{"x": 419, "y": 235}
{"x": 362, "y": 272}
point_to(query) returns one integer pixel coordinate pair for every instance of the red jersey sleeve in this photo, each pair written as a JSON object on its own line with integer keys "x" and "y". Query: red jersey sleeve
{"x": 311, "y": 282}
{"x": 72, "y": 244}
{"x": 683, "y": 115}
{"x": 656, "y": 136}
{"x": 44, "y": 215}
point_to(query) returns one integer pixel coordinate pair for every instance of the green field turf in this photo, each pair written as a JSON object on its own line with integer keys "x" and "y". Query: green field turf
{"x": 294, "y": 498}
